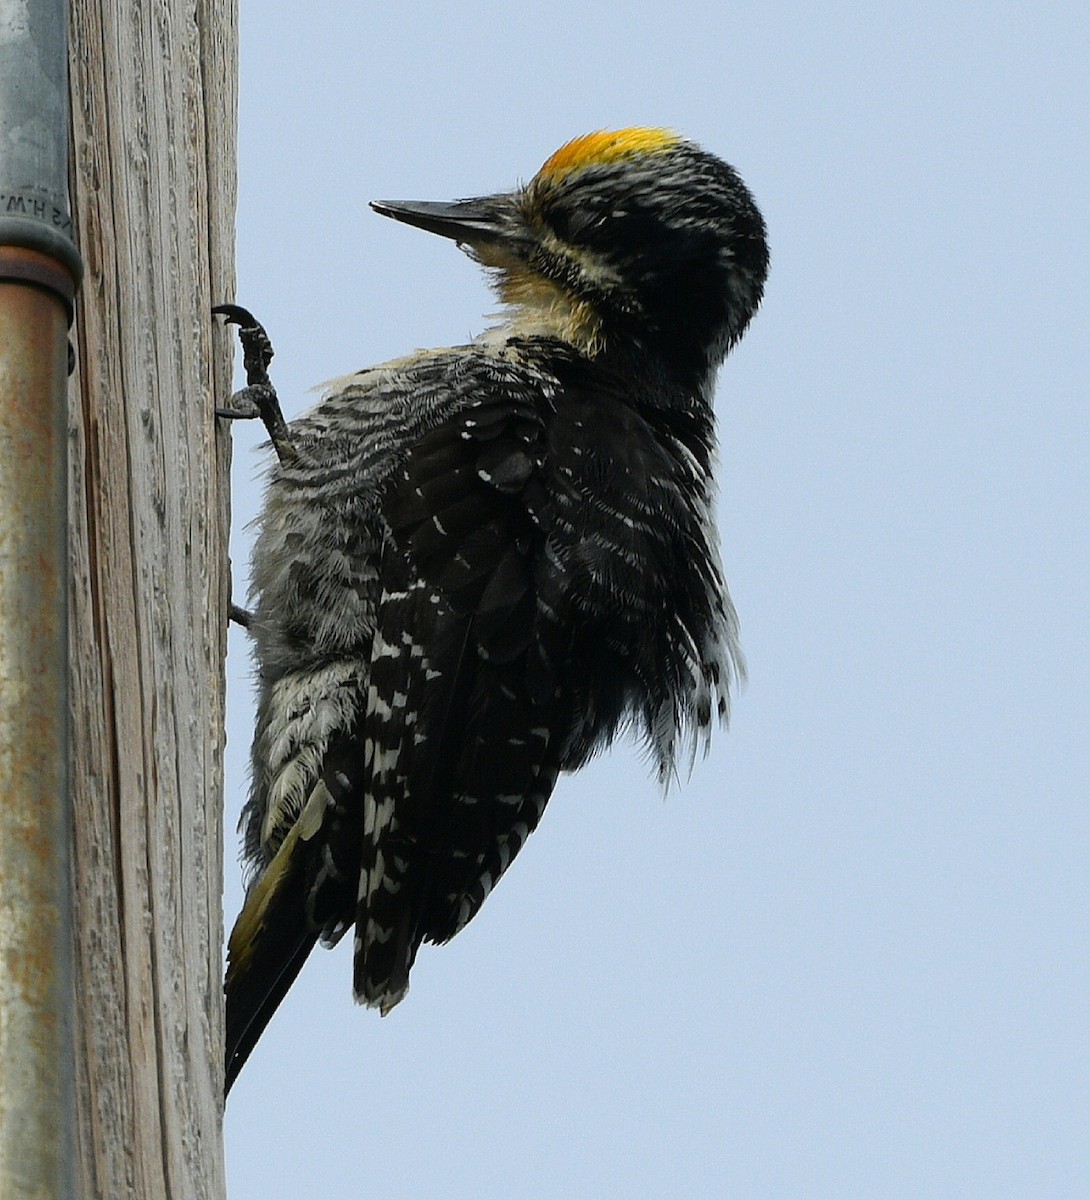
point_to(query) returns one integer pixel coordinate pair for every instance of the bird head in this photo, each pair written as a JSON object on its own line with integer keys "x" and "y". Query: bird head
{"x": 635, "y": 235}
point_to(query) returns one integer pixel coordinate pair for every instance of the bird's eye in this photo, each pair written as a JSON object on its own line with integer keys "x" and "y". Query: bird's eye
{"x": 560, "y": 220}
{"x": 578, "y": 224}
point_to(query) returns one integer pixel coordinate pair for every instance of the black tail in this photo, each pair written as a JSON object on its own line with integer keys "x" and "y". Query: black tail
{"x": 268, "y": 946}
{"x": 254, "y": 996}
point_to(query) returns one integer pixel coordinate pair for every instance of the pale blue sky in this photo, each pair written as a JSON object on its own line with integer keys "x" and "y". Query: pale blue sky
{"x": 851, "y": 956}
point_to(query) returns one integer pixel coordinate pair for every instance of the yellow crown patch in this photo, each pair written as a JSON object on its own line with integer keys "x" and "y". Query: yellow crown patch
{"x": 606, "y": 146}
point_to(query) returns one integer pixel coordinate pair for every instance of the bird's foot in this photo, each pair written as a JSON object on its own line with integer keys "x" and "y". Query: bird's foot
{"x": 240, "y": 616}
{"x": 258, "y": 398}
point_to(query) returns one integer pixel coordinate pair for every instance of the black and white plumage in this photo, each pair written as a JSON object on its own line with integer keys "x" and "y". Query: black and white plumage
{"x": 475, "y": 565}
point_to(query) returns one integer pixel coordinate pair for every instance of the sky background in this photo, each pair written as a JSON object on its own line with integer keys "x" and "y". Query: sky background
{"x": 851, "y": 955}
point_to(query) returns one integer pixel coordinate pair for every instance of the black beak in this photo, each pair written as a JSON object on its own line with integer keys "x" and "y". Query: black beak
{"x": 473, "y": 222}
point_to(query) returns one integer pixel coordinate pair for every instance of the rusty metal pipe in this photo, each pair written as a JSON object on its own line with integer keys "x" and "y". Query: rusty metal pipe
{"x": 37, "y": 1057}
{"x": 39, "y": 270}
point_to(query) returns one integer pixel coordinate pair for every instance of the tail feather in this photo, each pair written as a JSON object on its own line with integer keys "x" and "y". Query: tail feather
{"x": 270, "y": 941}
{"x": 252, "y": 1003}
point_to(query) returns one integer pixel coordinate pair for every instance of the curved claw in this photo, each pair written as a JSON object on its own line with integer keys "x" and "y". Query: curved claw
{"x": 257, "y": 351}
{"x": 259, "y": 397}
{"x": 235, "y": 314}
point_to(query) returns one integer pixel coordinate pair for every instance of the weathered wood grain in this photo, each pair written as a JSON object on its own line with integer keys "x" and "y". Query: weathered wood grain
{"x": 153, "y": 89}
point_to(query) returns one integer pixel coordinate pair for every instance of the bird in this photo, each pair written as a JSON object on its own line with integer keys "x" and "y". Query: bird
{"x": 476, "y": 565}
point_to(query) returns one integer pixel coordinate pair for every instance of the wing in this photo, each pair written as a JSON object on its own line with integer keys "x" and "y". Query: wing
{"x": 464, "y": 713}
{"x": 396, "y": 783}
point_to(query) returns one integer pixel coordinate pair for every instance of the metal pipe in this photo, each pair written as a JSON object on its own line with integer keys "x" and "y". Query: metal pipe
{"x": 39, "y": 270}
{"x": 37, "y": 1056}
{"x": 34, "y": 130}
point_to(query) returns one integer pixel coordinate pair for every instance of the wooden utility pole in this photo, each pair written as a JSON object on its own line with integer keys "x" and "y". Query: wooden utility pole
{"x": 153, "y": 119}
